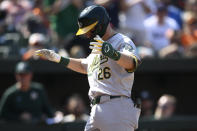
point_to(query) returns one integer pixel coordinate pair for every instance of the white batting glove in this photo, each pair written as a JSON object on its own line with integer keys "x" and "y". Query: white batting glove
{"x": 96, "y": 46}
{"x": 49, "y": 55}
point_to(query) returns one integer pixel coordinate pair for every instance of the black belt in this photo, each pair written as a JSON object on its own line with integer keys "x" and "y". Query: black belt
{"x": 98, "y": 98}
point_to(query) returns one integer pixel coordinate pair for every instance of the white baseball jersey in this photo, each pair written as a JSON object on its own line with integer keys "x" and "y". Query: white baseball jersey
{"x": 105, "y": 76}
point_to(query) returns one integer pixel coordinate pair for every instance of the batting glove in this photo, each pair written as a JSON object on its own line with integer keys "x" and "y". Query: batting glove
{"x": 96, "y": 46}
{"x": 49, "y": 55}
{"x": 102, "y": 47}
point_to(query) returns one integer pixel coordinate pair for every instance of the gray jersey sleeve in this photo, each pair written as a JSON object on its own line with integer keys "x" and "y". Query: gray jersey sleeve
{"x": 128, "y": 47}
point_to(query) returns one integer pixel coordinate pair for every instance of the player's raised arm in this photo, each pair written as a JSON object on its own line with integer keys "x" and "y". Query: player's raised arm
{"x": 127, "y": 60}
{"x": 71, "y": 63}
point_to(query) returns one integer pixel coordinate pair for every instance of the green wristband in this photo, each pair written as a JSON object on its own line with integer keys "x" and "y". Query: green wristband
{"x": 64, "y": 61}
{"x": 109, "y": 51}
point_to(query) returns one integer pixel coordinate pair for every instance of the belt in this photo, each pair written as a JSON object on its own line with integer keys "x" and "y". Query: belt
{"x": 104, "y": 98}
{"x": 101, "y": 99}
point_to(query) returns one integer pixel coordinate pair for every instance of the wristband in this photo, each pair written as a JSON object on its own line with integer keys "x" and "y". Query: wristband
{"x": 64, "y": 61}
{"x": 136, "y": 62}
{"x": 109, "y": 51}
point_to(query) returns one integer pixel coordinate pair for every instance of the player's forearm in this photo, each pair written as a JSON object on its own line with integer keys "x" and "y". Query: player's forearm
{"x": 71, "y": 63}
{"x": 126, "y": 61}
{"x": 129, "y": 62}
{"x": 76, "y": 65}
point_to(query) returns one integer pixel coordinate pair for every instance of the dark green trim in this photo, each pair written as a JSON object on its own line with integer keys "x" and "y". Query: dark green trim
{"x": 109, "y": 51}
{"x": 64, "y": 61}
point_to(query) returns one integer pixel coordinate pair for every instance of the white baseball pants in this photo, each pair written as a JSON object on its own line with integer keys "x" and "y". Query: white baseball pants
{"x": 118, "y": 114}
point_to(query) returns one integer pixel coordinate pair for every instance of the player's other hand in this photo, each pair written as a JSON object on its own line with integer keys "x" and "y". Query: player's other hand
{"x": 49, "y": 55}
{"x": 105, "y": 48}
{"x": 97, "y": 45}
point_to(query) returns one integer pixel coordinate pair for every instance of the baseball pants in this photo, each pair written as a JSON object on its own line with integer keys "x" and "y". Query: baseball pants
{"x": 118, "y": 114}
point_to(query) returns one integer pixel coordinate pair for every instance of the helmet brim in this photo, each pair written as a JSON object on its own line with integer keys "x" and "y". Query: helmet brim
{"x": 84, "y": 30}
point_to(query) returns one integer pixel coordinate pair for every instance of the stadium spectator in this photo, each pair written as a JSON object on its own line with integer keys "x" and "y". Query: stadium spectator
{"x": 113, "y": 7}
{"x": 147, "y": 104}
{"x": 36, "y": 41}
{"x": 77, "y": 51}
{"x": 160, "y": 28}
{"x": 165, "y": 107}
{"x": 135, "y": 12}
{"x": 39, "y": 10}
{"x": 9, "y": 36}
{"x": 63, "y": 16}
{"x": 173, "y": 11}
{"x": 76, "y": 109}
{"x": 189, "y": 34}
{"x": 16, "y": 10}
{"x": 25, "y": 101}
{"x": 191, "y": 6}
{"x": 32, "y": 24}
{"x": 175, "y": 49}
{"x": 191, "y": 51}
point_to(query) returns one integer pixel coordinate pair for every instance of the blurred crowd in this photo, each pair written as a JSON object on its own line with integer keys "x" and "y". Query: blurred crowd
{"x": 159, "y": 28}
{"x": 162, "y": 108}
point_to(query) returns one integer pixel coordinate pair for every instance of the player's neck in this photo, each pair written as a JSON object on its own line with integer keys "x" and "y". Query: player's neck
{"x": 109, "y": 33}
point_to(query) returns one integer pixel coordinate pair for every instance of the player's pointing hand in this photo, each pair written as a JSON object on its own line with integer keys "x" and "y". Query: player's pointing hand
{"x": 52, "y": 56}
{"x": 49, "y": 55}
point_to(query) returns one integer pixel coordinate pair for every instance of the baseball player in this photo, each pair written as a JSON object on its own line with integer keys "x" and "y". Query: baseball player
{"x": 109, "y": 67}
